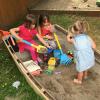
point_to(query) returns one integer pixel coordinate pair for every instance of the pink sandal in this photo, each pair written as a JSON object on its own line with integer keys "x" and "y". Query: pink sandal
{"x": 77, "y": 81}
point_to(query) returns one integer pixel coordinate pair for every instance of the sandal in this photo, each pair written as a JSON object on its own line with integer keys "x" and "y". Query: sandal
{"x": 77, "y": 81}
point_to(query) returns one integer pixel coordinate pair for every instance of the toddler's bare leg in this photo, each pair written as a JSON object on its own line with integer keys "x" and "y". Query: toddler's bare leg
{"x": 85, "y": 74}
{"x": 79, "y": 78}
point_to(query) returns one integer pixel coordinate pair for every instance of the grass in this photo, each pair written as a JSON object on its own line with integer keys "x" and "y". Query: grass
{"x": 9, "y": 72}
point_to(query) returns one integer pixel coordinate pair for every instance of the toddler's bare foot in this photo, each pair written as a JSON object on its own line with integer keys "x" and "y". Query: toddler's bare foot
{"x": 76, "y": 81}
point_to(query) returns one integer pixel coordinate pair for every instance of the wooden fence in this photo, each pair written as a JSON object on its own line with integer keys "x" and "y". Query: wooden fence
{"x": 12, "y": 11}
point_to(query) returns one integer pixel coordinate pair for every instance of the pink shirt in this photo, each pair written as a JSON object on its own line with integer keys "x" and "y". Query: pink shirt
{"x": 26, "y": 35}
{"x": 46, "y": 30}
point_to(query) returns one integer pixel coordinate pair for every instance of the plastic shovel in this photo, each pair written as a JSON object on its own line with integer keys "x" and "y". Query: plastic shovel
{"x": 40, "y": 48}
{"x": 64, "y": 59}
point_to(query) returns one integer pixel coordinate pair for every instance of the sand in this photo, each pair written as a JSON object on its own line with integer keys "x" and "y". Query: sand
{"x": 60, "y": 83}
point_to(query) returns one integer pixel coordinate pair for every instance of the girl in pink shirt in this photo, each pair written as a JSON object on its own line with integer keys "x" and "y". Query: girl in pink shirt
{"x": 27, "y": 31}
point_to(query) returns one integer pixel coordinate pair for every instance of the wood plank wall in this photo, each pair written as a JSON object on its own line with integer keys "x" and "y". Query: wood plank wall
{"x": 13, "y": 10}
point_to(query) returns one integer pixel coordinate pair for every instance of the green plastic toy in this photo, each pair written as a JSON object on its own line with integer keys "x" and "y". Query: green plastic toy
{"x": 48, "y": 72}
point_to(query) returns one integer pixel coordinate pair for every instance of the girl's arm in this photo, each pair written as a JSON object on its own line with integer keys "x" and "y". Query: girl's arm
{"x": 13, "y": 32}
{"x": 93, "y": 44}
{"x": 39, "y": 30}
{"x": 41, "y": 39}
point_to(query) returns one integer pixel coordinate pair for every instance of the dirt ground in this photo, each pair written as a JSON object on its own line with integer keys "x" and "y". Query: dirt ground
{"x": 60, "y": 83}
{"x": 66, "y": 5}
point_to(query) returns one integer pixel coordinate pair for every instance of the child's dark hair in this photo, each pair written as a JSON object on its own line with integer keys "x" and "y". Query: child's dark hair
{"x": 30, "y": 18}
{"x": 43, "y": 18}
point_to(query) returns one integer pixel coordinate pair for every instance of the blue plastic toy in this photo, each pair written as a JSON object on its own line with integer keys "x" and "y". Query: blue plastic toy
{"x": 57, "y": 53}
{"x": 49, "y": 50}
{"x": 64, "y": 59}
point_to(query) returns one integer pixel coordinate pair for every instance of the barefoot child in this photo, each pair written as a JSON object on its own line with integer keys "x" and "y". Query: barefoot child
{"x": 27, "y": 31}
{"x": 84, "y": 45}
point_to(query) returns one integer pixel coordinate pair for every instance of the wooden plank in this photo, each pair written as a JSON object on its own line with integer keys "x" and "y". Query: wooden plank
{"x": 91, "y": 13}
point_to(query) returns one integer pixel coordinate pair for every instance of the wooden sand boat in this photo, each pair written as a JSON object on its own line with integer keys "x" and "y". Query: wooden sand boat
{"x": 50, "y": 87}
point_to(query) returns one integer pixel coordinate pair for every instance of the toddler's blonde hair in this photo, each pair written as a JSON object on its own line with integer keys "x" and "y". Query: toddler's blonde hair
{"x": 79, "y": 26}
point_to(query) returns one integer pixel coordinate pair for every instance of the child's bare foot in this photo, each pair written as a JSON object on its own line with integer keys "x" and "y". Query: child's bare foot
{"x": 76, "y": 81}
